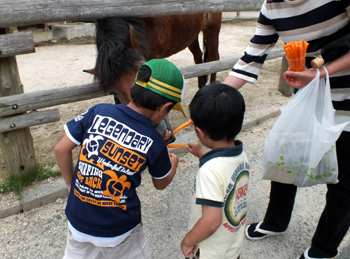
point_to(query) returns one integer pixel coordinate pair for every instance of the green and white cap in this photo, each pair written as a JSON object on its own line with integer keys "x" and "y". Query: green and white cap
{"x": 166, "y": 80}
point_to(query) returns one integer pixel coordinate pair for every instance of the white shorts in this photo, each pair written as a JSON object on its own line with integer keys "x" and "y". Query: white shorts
{"x": 133, "y": 247}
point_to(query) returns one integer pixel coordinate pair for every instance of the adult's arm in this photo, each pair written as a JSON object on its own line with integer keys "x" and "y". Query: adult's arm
{"x": 235, "y": 82}
{"x": 247, "y": 68}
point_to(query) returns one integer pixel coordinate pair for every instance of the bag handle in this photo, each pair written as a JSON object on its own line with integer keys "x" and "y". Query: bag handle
{"x": 325, "y": 108}
{"x": 325, "y": 69}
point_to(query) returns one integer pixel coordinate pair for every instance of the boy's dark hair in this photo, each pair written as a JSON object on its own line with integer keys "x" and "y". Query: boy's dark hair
{"x": 145, "y": 98}
{"x": 218, "y": 110}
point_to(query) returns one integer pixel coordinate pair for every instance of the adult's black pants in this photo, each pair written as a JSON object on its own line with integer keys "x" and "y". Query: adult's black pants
{"x": 335, "y": 219}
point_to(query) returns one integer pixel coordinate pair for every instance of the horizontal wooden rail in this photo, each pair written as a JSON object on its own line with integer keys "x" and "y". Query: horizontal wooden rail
{"x": 14, "y": 104}
{"x": 13, "y": 44}
{"x": 19, "y": 103}
{"x": 27, "y": 12}
{"x": 220, "y": 65}
{"x": 28, "y": 119}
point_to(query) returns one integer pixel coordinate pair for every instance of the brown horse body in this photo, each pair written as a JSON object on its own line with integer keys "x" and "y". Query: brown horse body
{"x": 124, "y": 43}
{"x": 171, "y": 34}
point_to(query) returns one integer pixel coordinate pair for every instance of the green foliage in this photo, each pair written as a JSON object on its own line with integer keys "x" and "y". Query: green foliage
{"x": 46, "y": 170}
{"x": 16, "y": 184}
{"x": 90, "y": 37}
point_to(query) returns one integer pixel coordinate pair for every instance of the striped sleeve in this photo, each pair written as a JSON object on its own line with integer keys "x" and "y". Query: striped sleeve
{"x": 265, "y": 38}
{"x": 317, "y": 22}
{"x": 347, "y": 6}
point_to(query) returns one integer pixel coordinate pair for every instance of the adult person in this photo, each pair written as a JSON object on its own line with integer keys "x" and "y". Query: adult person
{"x": 318, "y": 22}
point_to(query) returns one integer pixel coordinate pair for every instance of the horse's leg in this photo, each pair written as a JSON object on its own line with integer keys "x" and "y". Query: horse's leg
{"x": 211, "y": 32}
{"x": 197, "y": 57}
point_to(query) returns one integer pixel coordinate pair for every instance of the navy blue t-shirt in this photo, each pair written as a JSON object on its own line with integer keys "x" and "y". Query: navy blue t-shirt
{"x": 117, "y": 144}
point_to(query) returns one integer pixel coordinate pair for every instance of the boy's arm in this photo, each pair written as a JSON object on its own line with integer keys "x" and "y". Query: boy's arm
{"x": 209, "y": 222}
{"x": 161, "y": 184}
{"x": 64, "y": 157}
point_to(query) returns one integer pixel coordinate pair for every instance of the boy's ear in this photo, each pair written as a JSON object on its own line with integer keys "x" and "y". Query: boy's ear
{"x": 201, "y": 133}
{"x": 164, "y": 107}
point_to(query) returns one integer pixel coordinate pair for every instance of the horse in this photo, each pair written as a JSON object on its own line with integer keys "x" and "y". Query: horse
{"x": 123, "y": 44}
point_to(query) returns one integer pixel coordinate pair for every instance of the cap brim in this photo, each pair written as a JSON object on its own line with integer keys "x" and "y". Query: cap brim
{"x": 178, "y": 106}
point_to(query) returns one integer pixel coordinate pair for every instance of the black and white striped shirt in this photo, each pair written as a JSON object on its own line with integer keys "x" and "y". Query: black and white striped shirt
{"x": 314, "y": 21}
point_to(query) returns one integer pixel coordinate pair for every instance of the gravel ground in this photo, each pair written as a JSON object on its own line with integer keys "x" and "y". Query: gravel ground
{"x": 41, "y": 232}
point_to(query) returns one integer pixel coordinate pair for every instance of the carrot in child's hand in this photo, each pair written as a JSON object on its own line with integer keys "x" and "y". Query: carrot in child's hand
{"x": 187, "y": 123}
{"x": 176, "y": 145}
{"x": 183, "y": 125}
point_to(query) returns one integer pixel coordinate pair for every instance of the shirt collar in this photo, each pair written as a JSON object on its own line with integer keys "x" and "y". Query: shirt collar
{"x": 222, "y": 152}
{"x": 134, "y": 114}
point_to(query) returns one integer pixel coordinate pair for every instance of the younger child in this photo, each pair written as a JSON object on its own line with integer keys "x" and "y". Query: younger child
{"x": 118, "y": 143}
{"x": 219, "y": 201}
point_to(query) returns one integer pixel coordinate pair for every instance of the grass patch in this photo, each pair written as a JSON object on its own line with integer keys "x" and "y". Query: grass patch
{"x": 16, "y": 184}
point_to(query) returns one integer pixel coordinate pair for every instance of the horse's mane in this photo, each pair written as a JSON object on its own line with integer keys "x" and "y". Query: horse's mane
{"x": 113, "y": 56}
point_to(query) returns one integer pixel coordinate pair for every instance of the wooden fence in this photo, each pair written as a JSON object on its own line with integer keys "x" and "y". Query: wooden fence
{"x": 18, "y": 110}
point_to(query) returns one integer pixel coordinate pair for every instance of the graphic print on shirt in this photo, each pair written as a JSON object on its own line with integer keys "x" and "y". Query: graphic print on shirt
{"x": 120, "y": 133}
{"x": 106, "y": 160}
{"x": 236, "y": 198}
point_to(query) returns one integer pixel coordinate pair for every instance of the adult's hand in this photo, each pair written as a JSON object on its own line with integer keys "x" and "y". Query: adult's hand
{"x": 299, "y": 79}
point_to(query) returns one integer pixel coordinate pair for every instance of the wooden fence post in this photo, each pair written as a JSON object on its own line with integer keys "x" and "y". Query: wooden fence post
{"x": 19, "y": 156}
{"x": 283, "y": 87}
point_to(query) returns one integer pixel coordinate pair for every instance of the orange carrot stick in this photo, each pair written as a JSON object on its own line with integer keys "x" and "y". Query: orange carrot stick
{"x": 290, "y": 57}
{"x": 306, "y": 44}
{"x": 183, "y": 125}
{"x": 292, "y": 54}
{"x": 176, "y": 145}
{"x": 295, "y": 53}
{"x": 301, "y": 55}
{"x": 286, "y": 50}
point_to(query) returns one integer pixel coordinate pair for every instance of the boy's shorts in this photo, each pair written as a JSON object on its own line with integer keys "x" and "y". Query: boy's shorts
{"x": 134, "y": 246}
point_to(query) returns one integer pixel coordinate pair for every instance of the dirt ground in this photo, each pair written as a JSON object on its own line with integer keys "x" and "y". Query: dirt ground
{"x": 41, "y": 232}
{"x": 60, "y": 66}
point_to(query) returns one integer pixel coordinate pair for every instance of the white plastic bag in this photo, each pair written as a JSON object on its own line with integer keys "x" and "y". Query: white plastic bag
{"x": 300, "y": 148}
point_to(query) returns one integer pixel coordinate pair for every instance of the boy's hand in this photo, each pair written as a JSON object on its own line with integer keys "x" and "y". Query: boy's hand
{"x": 186, "y": 250}
{"x": 174, "y": 160}
{"x": 195, "y": 149}
{"x": 160, "y": 184}
{"x": 206, "y": 226}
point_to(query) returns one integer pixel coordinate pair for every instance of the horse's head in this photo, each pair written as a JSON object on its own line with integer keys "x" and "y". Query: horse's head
{"x": 121, "y": 49}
